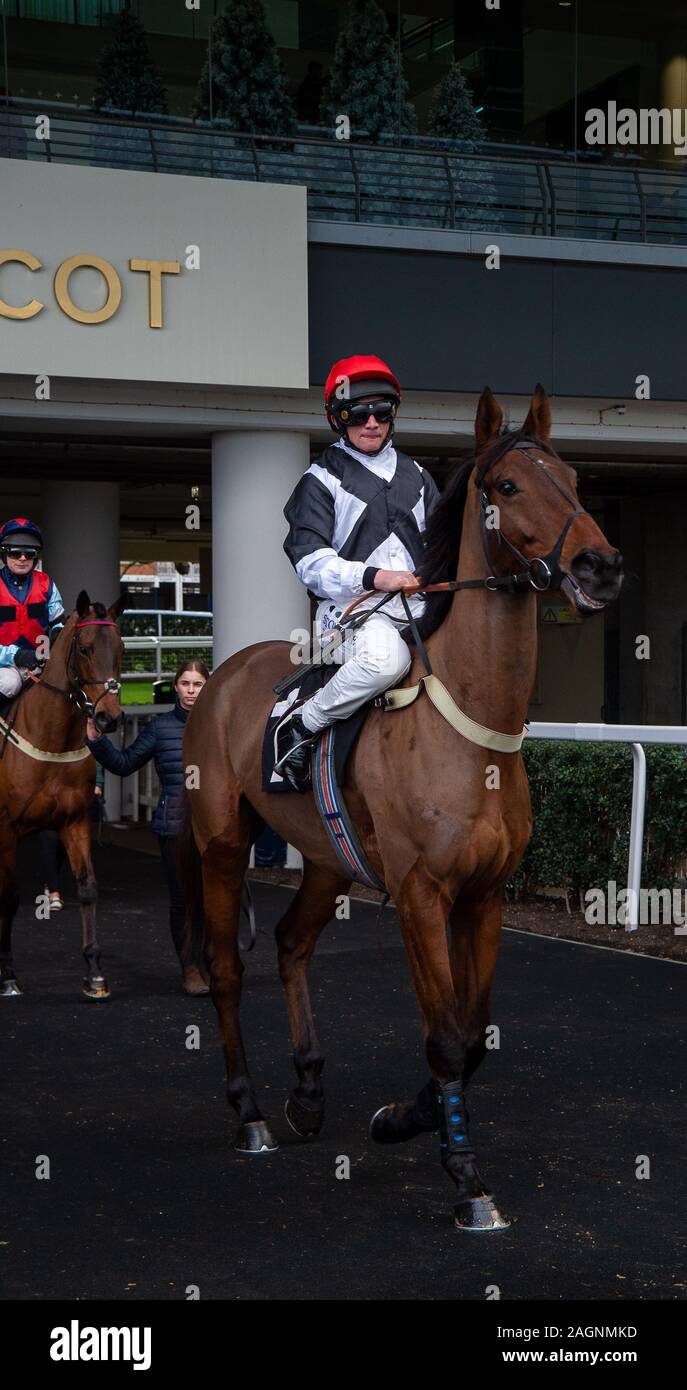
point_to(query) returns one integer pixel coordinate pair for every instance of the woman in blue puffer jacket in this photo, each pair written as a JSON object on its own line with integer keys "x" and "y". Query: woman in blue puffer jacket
{"x": 161, "y": 739}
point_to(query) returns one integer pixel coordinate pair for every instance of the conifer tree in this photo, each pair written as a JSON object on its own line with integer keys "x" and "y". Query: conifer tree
{"x": 454, "y": 122}
{"x": 248, "y": 83}
{"x": 365, "y": 82}
{"x": 453, "y": 115}
{"x": 127, "y": 77}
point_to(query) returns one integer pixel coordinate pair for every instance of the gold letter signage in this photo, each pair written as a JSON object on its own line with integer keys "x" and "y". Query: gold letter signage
{"x": 112, "y": 285}
{"x": 65, "y": 301}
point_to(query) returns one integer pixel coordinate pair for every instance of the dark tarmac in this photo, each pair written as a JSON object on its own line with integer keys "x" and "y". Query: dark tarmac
{"x": 146, "y": 1197}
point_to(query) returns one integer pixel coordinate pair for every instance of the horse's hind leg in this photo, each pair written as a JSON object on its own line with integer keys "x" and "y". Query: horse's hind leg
{"x": 76, "y": 839}
{"x": 9, "y": 902}
{"x": 297, "y": 934}
{"x": 224, "y": 863}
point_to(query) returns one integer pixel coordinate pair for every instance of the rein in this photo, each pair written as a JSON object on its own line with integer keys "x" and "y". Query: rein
{"x": 73, "y": 695}
{"x": 539, "y": 573}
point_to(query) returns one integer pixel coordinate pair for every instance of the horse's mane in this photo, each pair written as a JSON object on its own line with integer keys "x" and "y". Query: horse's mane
{"x": 444, "y": 530}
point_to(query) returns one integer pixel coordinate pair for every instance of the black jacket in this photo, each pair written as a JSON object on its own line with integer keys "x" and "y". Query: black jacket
{"x": 161, "y": 739}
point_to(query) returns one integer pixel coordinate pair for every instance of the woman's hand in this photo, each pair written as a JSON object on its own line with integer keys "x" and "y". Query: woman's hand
{"x": 389, "y": 581}
{"x": 91, "y": 731}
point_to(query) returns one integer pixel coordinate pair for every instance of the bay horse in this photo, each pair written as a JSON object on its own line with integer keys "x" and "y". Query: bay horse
{"x": 47, "y": 776}
{"x": 443, "y": 821}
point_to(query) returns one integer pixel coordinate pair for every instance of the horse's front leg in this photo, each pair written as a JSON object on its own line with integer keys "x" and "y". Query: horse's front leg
{"x": 76, "y": 839}
{"x": 423, "y": 909}
{"x": 474, "y": 939}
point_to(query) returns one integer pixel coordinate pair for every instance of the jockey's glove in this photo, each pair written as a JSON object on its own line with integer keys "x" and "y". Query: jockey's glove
{"x": 26, "y": 659}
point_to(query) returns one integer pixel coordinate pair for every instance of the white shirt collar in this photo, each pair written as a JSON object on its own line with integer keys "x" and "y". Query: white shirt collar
{"x": 383, "y": 463}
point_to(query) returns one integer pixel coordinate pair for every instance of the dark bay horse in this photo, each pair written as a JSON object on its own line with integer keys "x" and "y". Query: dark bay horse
{"x": 46, "y": 782}
{"x": 443, "y": 821}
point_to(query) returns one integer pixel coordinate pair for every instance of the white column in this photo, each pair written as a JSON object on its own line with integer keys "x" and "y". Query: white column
{"x": 80, "y": 523}
{"x": 256, "y": 595}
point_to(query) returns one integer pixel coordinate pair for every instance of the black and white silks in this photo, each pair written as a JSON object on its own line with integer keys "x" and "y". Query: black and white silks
{"x": 351, "y": 513}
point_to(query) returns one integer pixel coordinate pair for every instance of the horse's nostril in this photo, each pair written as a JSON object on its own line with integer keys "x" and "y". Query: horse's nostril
{"x": 586, "y": 563}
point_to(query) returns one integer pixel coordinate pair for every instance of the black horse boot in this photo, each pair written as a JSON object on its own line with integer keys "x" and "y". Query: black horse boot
{"x": 294, "y": 746}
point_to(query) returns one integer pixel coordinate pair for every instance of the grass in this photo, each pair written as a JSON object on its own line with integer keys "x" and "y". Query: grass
{"x": 137, "y": 693}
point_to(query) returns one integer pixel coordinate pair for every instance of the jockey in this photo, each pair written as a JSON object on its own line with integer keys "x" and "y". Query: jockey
{"x": 355, "y": 525}
{"x": 30, "y": 604}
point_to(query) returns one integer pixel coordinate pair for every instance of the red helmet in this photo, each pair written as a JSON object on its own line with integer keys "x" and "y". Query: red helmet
{"x": 353, "y": 378}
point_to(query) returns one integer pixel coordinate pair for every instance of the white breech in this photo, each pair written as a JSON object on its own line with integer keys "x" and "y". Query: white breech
{"x": 375, "y": 658}
{"x": 11, "y": 681}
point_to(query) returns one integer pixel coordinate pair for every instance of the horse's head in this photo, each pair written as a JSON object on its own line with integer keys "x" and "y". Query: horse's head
{"x": 95, "y": 660}
{"x": 531, "y": 513}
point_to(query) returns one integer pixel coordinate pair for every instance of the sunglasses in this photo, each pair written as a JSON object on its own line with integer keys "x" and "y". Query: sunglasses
{"x": 19, "y": 552}
{"x": 383, "y": 411}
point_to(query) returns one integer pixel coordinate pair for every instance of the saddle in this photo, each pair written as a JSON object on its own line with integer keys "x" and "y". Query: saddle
{"x": 328, "y": 764}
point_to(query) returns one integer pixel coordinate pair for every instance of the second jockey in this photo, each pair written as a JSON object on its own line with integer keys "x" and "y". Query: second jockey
{"x": 30, "y": 604}
{"x": 356, "y": 520}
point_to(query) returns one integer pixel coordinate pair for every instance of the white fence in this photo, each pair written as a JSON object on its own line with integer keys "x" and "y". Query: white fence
{"x": 159, "y": 642}
{"x": 139, "y": 793}
{"x": 635, "y": 735}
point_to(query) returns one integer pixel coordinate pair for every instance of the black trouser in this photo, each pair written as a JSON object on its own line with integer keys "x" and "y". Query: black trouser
{"x": 51, "y": 855}
{"x": 177, "y": 907}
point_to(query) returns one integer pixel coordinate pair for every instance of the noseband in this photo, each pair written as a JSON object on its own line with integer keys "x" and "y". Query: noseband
{"x": 75, "y": 694}
{"x": 542, "y": 571}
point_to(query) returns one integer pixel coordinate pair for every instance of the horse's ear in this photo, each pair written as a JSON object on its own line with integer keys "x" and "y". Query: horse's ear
{"x": 83, "y": 604}
{"x": 488, "y": 420}
{"x": 538, "y": 421}
{"x": 117, "y": 608}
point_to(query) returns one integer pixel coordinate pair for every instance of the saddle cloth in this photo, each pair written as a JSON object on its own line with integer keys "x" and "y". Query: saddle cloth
{"x": 329, "y": 757}
{"x": 314, "y": 677}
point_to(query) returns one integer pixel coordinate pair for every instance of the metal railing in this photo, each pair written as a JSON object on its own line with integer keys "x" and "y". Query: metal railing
{"x": 416, "y": 181}
{"x": 158, "y": 641}
{"x": 635, "y": 735}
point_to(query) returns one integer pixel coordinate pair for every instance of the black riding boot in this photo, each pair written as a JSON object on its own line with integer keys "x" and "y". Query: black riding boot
{"x": 294, "y": 746}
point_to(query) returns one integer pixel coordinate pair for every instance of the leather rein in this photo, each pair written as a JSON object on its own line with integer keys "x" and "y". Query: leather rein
{"x": 75, "y": 693}
{"x": 539, "y": 573}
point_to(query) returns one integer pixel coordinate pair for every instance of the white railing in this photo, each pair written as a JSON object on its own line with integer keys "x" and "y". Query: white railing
{"x": 635, "y": 735}
{"x": 156, "y": 643}
{"x": 141, "y": 789}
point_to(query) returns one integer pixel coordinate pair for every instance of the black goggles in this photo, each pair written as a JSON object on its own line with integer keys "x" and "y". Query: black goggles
{"x": 359, "y": 414}
{"x": 21, "y": 552}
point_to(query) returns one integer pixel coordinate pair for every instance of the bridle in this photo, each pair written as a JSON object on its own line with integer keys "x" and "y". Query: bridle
{"x": 539, "y": 573}
{"x": 77, "y": 685}
{"x": 542, "y": 571}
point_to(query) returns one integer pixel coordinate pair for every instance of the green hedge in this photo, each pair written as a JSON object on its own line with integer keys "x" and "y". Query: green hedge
{"x": 581, "y": 804}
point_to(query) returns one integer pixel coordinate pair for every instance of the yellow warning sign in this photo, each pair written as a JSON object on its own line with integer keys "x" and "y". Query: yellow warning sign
{"x": 558, "y": 614}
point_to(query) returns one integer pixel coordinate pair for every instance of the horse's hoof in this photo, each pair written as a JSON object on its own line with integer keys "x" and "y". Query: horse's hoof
{"x": 380, "y": 1129}
{"x": 304, "y": 1122}
{"x": 254, "y": 1138}
{"x": 96, "y": 988}
{"x": 10, "y": 988}
{"x": 479, "y": 1214}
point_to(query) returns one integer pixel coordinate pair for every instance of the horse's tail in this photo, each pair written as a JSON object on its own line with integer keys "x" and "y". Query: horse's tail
{"x": 190, "y": 873}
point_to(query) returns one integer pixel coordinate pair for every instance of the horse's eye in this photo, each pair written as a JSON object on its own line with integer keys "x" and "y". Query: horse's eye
{"x": 83, "y": 651}
{"x": 506, "y": 487}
